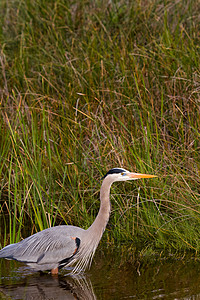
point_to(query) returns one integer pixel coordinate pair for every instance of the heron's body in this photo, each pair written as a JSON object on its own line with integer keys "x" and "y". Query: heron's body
{"x": 56, "y": 247}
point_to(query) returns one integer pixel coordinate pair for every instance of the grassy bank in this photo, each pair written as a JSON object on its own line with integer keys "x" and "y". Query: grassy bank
{"x": 92, "y": 85}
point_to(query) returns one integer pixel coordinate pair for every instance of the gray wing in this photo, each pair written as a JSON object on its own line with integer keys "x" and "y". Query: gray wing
{"x": 51, "y": 245}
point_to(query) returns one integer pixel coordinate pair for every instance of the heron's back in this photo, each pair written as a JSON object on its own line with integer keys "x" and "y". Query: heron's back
{"x": 45, "y": 249}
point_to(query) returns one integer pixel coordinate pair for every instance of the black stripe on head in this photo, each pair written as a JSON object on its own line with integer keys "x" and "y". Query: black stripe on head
{"x": 114, "y": 171}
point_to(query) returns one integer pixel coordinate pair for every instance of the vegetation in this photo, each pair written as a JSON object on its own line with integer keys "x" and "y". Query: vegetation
{"x": 90, "y": 85}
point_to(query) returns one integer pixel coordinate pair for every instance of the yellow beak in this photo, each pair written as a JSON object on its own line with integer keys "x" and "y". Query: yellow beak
{"x": 138, "y": 175}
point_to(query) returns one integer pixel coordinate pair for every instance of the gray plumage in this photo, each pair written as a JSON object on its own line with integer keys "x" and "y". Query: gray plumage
{"x": 65, "y": 245}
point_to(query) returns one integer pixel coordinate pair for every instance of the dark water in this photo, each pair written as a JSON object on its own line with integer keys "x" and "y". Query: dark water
{"x": 113, "y": 276}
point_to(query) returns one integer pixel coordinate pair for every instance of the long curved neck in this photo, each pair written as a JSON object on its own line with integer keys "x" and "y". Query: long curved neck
{"x": 102, "y": 218}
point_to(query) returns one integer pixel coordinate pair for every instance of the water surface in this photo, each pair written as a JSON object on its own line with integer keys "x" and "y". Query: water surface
{"x": 113, "y": 275}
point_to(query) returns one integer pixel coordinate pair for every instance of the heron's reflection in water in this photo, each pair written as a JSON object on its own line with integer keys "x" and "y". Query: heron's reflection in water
{"x": 45, "y": 286}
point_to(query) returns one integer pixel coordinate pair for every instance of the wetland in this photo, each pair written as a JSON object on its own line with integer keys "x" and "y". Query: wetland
{"x": 110, "y": 277}
{"x": 86, "y": 86}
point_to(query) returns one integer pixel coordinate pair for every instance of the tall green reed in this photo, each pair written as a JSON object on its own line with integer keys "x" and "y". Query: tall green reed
{"x": 91, "y": 86}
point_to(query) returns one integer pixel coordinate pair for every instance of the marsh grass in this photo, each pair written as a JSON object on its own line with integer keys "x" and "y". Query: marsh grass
{"x": 91, "y": 85}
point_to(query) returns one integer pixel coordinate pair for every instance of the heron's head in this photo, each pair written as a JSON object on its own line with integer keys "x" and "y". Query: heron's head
{"x": 120, "y": 174}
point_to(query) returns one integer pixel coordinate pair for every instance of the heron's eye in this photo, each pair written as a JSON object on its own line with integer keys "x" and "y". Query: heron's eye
{"x": 122, "y": 173}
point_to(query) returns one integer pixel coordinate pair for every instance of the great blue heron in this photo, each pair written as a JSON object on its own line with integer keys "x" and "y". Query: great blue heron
{"x": 66, "y": 245}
